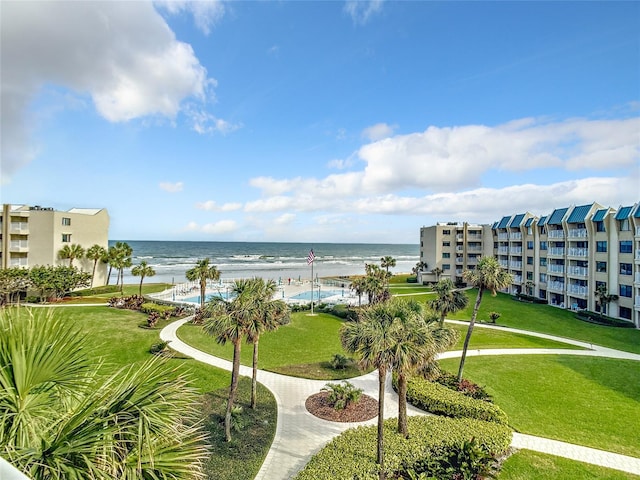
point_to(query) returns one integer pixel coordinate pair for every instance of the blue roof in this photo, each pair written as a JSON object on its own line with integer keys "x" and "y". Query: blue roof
{"x": 504, "y": 222}
{"x": 495, "y": 224}
{"x": 600, "y": 214}
{"x": 517, "y": 220}
{"x": 542, "y": 221}
{"x": 557, "y": 216}
{"x": 623, "y": 213}
{"x": 578, "y": 214}
{"x": 529, "y": 222}
{"x": 637, "y": 214}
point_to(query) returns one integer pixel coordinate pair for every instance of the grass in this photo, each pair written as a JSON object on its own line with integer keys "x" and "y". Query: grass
{"x": 116, "y": 336}
{"x": 584, "y": 400}
{"x": 411, "y": 289}
{"x": 525, "y": 465}
{"x": 551, "y": 320}
{"x": 303, "y": 348}
{"x": 490, "y": 338}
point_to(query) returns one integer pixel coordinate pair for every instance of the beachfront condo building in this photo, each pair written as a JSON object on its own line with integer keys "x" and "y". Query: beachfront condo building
{"x": 33, "y": 235}
{"x": 562, "y": 258}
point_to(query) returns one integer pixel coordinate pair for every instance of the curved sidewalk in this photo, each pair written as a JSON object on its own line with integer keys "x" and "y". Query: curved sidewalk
{"x": 299, "y": 435}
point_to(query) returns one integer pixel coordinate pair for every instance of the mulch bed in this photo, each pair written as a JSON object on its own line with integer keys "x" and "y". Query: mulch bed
{"x": 365, "y": 409}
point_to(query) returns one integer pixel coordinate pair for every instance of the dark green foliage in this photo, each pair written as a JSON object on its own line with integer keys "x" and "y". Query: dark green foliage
{"x": 600, "y": 319}
{"x": 56, "y": 282}
{"x": 342, "y": 394}
{"x": 528, "y": 298}
{"x": 339, "y": 362}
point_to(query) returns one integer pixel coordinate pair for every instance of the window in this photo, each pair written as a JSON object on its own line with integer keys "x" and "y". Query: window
{"x": 543, "y": 278}
{"x": 626, "y": 246}
{"x": 543, "y": 262}
{"x": 66, "y": 221}
{"x": 446, "y": 266}
{"x": 495, "y": 244}
{"x": 543, "y": 245}
{"x": 446, "y": 244}
{"x": 529, "y": 275}
{"x": 601, "y": 246}
{"x": 601, "y": 267}
{"x": 530, "y": 245}
{"x": 625, "y": 312}
{"x": 529, "y": 230}
{"x": 600, "y": 227}
{"x": 446, "y": 232}
{"x": 66, "y": 237}
{"x": 446, "y": 255}
{"x": 625, "y": 269}
{"x": 624, "y": 225}
{"x": 529, "y": 260}
{"x": 626, "y": 291}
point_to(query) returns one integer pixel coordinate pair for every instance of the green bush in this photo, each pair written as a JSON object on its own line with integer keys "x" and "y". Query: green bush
{"x": 164, "y": 311}
{"x": 440, "y": 400}
{"x": 342, "y": 394}
{"x": 600, "y": 319}
{"x": 353, "y": 453}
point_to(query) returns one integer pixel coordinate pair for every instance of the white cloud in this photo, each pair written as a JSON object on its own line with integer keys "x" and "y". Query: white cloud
{"x": 378, "y": 131}
{"x": 285, "y": 219}
{"x": 361, "y": 11}
{"x": 204, "y": 122}
{"x": 122, "y": 55}
{"x": 212, "y": 206}
{"x": 206, "y": 13}
{"x": 218, "y": 228}
{"x": 171, "y": 187}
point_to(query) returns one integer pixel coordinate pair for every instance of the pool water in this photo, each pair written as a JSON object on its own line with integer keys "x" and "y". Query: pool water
{"x": 196, "y": 299}
{"x": 323, "y": 294}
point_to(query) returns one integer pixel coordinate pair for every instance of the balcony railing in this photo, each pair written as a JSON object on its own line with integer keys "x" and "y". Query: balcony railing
{"x": 556, "y": 286}
{"x": 504, "y": 263}
{"x": 516, "y": 251}
{"x": 459, "y": 261}
{"x": 637, "y": 302}
{"x": 472, "y": 259}
{"x": 460, "y": 237}
{"x": 503, "y": 236}
{"x": 474, "y": 236}
{"x": 578, "y": 252}
{"x": 553, "y": 268}
{"x": 515, "y": 265}
{"x": 517, "y": 279}
{"x": 556, "y": 251}
{"x": 555, "y": 234}
{"x": 459, "y": 271}
{"x": 578, "y": 271}
{"x": 19, "y": 227}
{"x": 503, "y": 250}
{"x": 578, "y": 290}
{"x": 19, "y": 245}
{"x": 19, "y": 262}
{"x": 459, "y": 249}
{"x": 637, "y": 279}
{"x": 515, "y": 236}
{"x": 474, "y": 249}
{"x": 577, "y": 232}
{"x": 637, "y": 231}
{"x": 638, "y": 254}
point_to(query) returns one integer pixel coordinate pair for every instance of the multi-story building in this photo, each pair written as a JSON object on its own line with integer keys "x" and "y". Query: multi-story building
{"x": 563, "y": 257}
{"x": 33, "y": 236}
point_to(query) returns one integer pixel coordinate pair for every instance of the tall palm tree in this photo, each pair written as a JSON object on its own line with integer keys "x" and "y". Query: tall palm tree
{"x": 604, "y": 297}
{"x": 267, "y": 315}
{"x": 143, "y": 270}
{"x": 359, "y": 286}
{"x": 449, "y": 300}
{"x": 375, "y": 283}
{"x": 71, "y": 252}
{"x": 227, "y": 321}
{"x": 488, "y": 275}
{"x": 202, "y": 272}
{"x": 95, "y": 253}
{"x": 386, "y": 262}
{"x": 119, "y": 257}
{"x": 420, "y": 266}
{"x": 62, "y": 419}
{"x": 437, "y": 272}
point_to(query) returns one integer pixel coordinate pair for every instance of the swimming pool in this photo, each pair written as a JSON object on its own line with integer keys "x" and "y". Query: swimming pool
{"x": 196, "y": 299}
{"x": 323, "y": 294}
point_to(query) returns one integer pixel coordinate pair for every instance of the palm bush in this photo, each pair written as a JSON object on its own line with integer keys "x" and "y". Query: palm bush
{"x": 341, "y": 395}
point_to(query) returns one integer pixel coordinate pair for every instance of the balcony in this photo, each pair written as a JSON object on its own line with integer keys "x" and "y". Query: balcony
{"x": 638, "y": 255}
{"x": 459, "y": 271}
{"x": 515, "y": 251}
{"x": 515, "y": 236}
{"x": 555, "y": 234}
{"x": 556, "y": 286}
{"x": 515, "y": 265}
{"x": 459, "y": 261}
{"x": 578, "y": 252}
{"x": 578, "y": 271}
{"x": 637, "y": 302}
{"x": 459, "y": 249}
{"x": 578, "y": 290}
{"x": 577, "y": 232}
{"x": 504, "y": 250}
{"x": 504, "y": 263}
{"x": 19, "y": 227}
{"x": 517, "y": 279}
{"x": 474, "y": 249}
{"x": 553, "y": 268}
{"x": 19, "y": 246}
{"x": 472, "y": 259}
{"x": 19, "y": 262}
{"x": 555, "y": 252}
{"x": 637, "y": 279}
{"x": 474, "y": 236}
{"x": 503, "y": 236}
{"x": 459, "y": 237}
{"x": 637, "y": 231}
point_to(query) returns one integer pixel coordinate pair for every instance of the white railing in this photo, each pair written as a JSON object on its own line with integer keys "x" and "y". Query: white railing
{"x": 472, "y": 259}
{"x": 578, "y": 252}
{"x": 19, "y": 226}
{"x": 503, "y": 236}
{"x": 555, "y": 234}
{"x": 459, "y": 261}
{"x": 556, "y": 251}
{"x": 517, "y": 279}
{"x": 459, "y": 249}
{"x": 637, "y": 302}
{"x": 578, "y": 290}
{"x": 504, "y": 263}
{"x": 515, "y": 236}
{"x": 516, "y": 251}
{"x": 556, "y": 286}
{"x": 637, "y": 280}
{"x": 19, "y": 245}
{"x": 637, "y": 231}
{"x": 474, "y": 236}
{"x": 19, "y": 262}
{"x": 474, "y": 249}
{"x": 515, "y": 265}
{"x": 459, "y": 237}
{"x": 552, "y": 267}
{"x": 638, "y": 254}
{"x": 459, "y": 271}
{"x": 543, "y": 278}
{"x": 577, "y": 232}
{"x": 503, "y": 249}
{"x": 580, "y": 271}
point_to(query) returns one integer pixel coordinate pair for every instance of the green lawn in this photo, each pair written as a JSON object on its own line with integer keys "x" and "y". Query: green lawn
{"x": 490, "y": 338}
{"x": 584, "y": 400}
{"x": 527, "y": 465}
{"x": 551, "y": 320}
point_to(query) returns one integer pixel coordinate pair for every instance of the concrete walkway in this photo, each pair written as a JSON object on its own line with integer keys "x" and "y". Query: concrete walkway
{"x": 299, "y": 435}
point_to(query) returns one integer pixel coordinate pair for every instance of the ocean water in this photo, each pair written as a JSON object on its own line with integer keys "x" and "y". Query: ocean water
{"x": 276, "y": 261}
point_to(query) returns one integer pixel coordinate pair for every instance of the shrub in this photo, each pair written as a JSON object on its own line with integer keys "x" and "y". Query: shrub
{"x": 161, "y": 349}
{"x": 342, "y": 394}
{"x": 353, "y": 453}
{"x": 600, "y": 319}
{"x": 466, "y": 387}
{"x": 130, "y": 303}
{"x": 493, "y": 316}
{"x": 440, "y": 400}
{"x": 163, "y": 311}
{"x": 528, "y": 298}
{"x": 339, "y": 362}
{"x": 413, "y": 279}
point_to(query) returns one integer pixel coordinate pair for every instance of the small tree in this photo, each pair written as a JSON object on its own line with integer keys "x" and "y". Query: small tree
{"x": 341, "y": 395}
{"x": 493, "y": 316}
{"x": 143, "y": 270}
{"x": 202, "y": 272}
{"x": 95, "y": 253}
{"x": 604, "y": 297}
{"x": 71, "y": 252}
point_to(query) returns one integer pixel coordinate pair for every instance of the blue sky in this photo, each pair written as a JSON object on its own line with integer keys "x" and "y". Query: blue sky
{"x": 318, "y": 121}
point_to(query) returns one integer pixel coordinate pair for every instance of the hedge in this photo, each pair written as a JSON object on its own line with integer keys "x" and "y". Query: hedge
{"x": 438, "y": 399}
{"x": 353, "y": 453}
{"x": 149, "y": 307}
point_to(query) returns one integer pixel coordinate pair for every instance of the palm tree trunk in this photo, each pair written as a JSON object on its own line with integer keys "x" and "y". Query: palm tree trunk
{"x": 476, "y": 307}
{"x": 235, "y": 373}
{"x": 93, "y": 274}
{"x": 141, "y": 280}
{"x": 109, "y": 274}
{"x": 403, "y": 428}
{"x": 382, "y": 378}
{"x": 442, "y": 315}
{"x": 203, "y": 292}
{"x": 254, "y": 376}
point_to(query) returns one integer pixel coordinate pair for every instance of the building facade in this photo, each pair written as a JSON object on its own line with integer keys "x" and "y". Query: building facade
{"x": 33, "y": 235}
{"x": 562, "y": 258}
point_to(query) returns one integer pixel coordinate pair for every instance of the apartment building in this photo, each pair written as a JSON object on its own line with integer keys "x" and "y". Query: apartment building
{"x": 562, "y": 257}
{"x": 33, "y": 235}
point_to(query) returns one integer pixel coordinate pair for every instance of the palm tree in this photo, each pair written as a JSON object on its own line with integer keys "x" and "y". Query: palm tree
{"x": 358, "y": 285}
{"x": 386, "y": 262}
{"x": 488, "y": 275}
{"x": 62, "y": 420}
{"x": 228, "y": 321}
{"x": 449, "y": 299}
{"x": 71, "y": 252}
{"x": 267, "y": 315}
{"x": 604, "y": 297}
{"x": 420, "y": 266}
{"x": 375, "y": 283}
{"x": 437, "y": 272}
{"x": 119, "y": 257}
{"x": 202, "y": 272}
{"x": 142, "y": 270}
{"x": 95, "y": 253}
